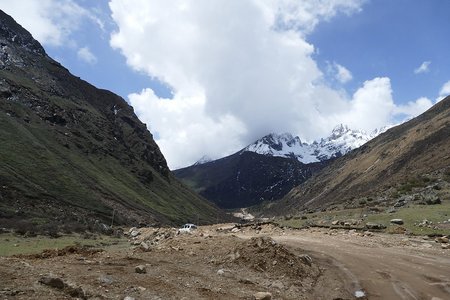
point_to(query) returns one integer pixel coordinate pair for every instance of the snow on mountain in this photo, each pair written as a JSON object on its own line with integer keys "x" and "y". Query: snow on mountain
{"x": 341, "y": 141}
{"x": 203, "y": 160}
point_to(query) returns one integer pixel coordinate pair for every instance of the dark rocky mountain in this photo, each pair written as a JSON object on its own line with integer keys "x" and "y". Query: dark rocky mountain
{"x": 246, "y": 178}
{"x": 72, "y": 153}
{"x": 410, "y": 158}
{"x": 269, "y": 168}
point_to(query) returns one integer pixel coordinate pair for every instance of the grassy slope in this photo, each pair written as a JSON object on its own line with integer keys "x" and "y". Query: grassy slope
{"x": 82, "y": 169}
{"x": 35, "y": 166}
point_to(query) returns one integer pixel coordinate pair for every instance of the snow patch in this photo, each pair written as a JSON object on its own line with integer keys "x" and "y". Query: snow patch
{"x": 341, "y": 141}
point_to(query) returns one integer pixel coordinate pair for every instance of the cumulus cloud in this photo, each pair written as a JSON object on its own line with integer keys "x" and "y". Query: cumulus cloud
{"x": 184, "y": 128}
{"x": 371, "y": 106}
{"x": 444, "y": 92}
{"x": 423, "y": 68}
{"x": 414, "y": 108}
{"x": 51, "y": 22}
{"x": 86, "y": 55}
{"x": 341, "y": 73}
{"x": 238, "y": 73}
{"x": 304, "y": 16}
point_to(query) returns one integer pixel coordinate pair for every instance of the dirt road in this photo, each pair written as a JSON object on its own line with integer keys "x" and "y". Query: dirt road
{"x": 382, "y": 266}
{"x": 233, "y": 262}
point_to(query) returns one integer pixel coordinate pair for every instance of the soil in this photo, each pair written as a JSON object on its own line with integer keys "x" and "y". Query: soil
{"x": 226, "y": 262}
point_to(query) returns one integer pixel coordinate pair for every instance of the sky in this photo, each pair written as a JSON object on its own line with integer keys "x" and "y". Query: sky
{"x": 210, "y": 77}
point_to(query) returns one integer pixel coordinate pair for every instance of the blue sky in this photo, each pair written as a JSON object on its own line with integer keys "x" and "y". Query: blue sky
{"x": 391, "y": 38}
{"x": 208, "y": 78}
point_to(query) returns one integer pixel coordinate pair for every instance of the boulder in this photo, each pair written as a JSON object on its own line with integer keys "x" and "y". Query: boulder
{"x": 52, "y": 281}
{"x": 135, "y": 233}
{"x": 371, "y": 225}
{"x": 141, "y": 269}
{"x": 262, "y": 296}
{"x": 397, "y": 221}
{"x": 442, "y": 239}
{"x": 145, "y": 247}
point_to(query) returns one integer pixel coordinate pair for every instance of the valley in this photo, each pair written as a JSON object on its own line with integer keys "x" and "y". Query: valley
{"x": 89, "y": 208}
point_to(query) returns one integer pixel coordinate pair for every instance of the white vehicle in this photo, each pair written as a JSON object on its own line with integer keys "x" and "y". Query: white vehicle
{"x": 187, "y": 228}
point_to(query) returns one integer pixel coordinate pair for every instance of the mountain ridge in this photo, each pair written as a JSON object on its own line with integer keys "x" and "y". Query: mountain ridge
{"x": 73, "y": 153}
{"x": 341, "y": 141}
{"x": 402, "y": 157}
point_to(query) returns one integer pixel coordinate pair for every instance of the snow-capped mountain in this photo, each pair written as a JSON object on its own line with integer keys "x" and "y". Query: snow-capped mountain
{"x": 341, "y": 141}
{"x": 203, "y": 160}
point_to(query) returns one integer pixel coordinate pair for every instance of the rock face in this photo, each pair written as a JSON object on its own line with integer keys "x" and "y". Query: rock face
{"x": 74, "y": 153}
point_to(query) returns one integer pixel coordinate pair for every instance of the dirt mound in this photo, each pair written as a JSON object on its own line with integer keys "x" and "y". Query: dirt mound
{"x": 263, "y": 254}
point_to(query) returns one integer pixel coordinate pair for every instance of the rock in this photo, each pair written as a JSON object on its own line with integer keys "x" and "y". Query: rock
{"x": 220, "y": 272}
{"x": 442, "y": 239}
{"x": 445, "y": 246}
{"x": 141, "y": 269}
{"x": 235, "y": 229}
{"x": 129, "y": 298}
{"x": 105, "y": 279}
{"x": 262, "y": 296}
{"x": 145, "y": 247}
{"x": 368, "y": 233}
{"x": 399, "y": 203}
{"x": 135, "y": 233}
{"x": 246, "y": 281}
{"x": 52, "y": 281}
{"x": 306, "y": 259}
{"x": 371, "y": 225}
{"x": 76, "y": 292}
{"x": 397, "y": 221}
{"x": 277, "y": 284}
{"x": 335, "y": 222}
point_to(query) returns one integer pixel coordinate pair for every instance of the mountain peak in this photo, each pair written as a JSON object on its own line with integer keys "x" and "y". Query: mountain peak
{"x": 203, "y": 160}
{"x": 341, "y": 141}
{"x": 339, "y": 130}
{"x": 14, "y": 33}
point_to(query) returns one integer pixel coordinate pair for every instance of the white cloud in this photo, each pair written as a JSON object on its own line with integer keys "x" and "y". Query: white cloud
{"x": 423, "y": 68}
{"x": 342, "y": 74}
{"x": 414, "y": 108}
{"x": 51, "y": 22}
{"x": 238, "y": 73}
{"x": 86, "y": 55}
{"x": 185, "y": 128}
{"x": 371, "y": 106}
{"x": 444, "y": 92}
{"x": 303, "y": 16}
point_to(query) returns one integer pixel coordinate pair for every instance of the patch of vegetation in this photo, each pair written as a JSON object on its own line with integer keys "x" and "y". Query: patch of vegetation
{"x": 12, "y": 244}
{"x": 411, "y": 215}
{"x": 415, "y": 214}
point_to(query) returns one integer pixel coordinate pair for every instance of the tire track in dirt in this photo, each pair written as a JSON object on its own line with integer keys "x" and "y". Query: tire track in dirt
{"x": 384, "y": 271}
